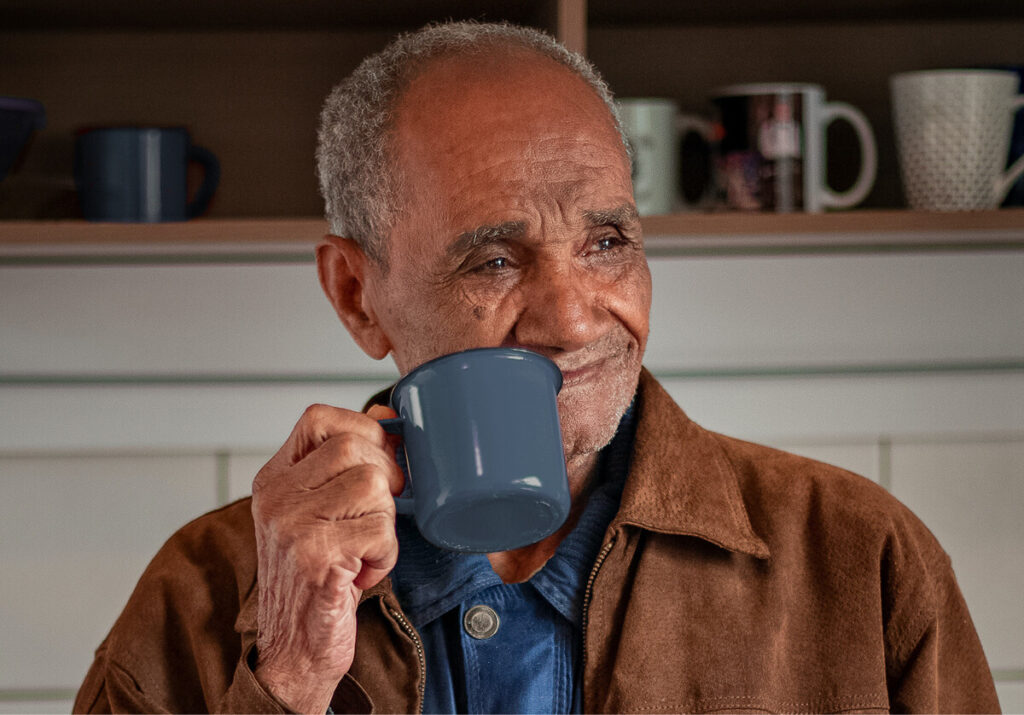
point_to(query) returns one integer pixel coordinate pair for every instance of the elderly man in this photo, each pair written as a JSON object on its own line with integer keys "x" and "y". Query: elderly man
{"x": 479, "y": 194}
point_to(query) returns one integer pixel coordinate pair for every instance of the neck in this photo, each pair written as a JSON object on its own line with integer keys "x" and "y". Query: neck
{"x": 519, "y": 565}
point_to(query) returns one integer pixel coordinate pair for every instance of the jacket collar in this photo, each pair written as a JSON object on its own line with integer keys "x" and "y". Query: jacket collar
{"x": 681, "y": 481}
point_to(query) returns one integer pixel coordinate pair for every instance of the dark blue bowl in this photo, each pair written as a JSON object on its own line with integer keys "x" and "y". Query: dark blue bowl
{"x": 18, "y": 119}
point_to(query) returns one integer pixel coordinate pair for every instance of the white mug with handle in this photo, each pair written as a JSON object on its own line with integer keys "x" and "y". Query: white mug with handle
{"x": 658, "y": 133}
{"x": 953, "y": 130}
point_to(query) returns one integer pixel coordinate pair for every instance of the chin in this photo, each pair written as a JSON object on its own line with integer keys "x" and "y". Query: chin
{"x": 590, "y": 413}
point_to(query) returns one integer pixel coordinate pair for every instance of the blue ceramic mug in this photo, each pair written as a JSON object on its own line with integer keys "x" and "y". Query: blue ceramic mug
{"x": 139, "y": 174}
{"x": 483, "y": 449}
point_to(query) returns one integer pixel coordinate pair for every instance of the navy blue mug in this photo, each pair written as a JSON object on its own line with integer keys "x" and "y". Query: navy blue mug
{"x": 483, "y": 449}
{"x": 139, "y": 174}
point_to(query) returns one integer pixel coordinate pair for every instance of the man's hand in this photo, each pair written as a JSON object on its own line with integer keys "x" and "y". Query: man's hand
{"x": 325, "y": 531}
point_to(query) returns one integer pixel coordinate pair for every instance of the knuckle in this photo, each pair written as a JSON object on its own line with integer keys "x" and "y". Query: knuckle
{"x": 260, "y": 506}
{"x": 344, "y": 445}
{"x": 315, "y": 415}
{"x": 376, "y": 531}
{"x": 382, "y": 523}
{"x": 372, "y": 483}
{"x": 263, "y": 479}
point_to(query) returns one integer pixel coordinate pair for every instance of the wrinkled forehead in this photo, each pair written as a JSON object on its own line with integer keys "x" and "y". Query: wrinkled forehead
{"x": 459, "y": 103}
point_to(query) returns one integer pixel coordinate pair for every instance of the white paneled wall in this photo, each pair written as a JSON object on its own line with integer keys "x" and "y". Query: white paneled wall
{"x": 709, "y": 313}
{"x": 24, "y": 703}
{"x": 75, "y": 534}
{"x": 135, "y": 397}
{"x": 241, "y": 470}
{"x": 971, "y": 494}
{"x": 1011, "y": 696}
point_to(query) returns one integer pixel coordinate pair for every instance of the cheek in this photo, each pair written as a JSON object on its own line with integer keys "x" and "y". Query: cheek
{"x": 486, "y": 317}
{"x": 436, "y": 322}
{"x": 628, "y": 296}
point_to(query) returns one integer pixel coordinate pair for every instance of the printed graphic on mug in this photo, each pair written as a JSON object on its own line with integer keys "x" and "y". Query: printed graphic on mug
{"x": 772, "y": 151}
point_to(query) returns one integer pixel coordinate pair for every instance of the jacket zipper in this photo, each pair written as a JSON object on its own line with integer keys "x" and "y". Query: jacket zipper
{"x": 601, "y": 556}
{"x": 411, "y": 632}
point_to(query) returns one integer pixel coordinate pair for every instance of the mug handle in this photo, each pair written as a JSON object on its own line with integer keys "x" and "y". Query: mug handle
{"x": 691, "y": 124}
{"x": 394, "y": 425}
{"x": 211, "y": 178}
{"x": 868, "y": 153}
{"x": 1010, "y": 176}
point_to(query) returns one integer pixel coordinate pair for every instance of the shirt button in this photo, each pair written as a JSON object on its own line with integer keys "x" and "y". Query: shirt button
{"x": 481, "y": 622}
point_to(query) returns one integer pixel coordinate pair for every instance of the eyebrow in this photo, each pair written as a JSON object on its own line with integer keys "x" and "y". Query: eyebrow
{"x": 620, "y": 216}
{"x": 466, "y": 241}
{"x": 482, "y": 235}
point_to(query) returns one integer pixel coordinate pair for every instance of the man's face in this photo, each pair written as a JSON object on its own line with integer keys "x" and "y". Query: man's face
{"x": 518, "y": 228}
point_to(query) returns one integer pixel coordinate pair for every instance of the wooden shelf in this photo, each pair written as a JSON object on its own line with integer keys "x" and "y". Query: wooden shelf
{"x": 864, "y": 231}
{"x": 862, "y": 221}
{"x": 292, "y": 239}
{"x": 196, "y": 233}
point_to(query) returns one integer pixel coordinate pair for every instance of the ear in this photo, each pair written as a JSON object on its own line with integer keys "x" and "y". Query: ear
{"x": 343, "y": 268}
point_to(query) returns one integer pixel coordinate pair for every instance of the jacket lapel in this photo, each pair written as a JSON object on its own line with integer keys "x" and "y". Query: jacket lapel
{"x": 680, "y": 480}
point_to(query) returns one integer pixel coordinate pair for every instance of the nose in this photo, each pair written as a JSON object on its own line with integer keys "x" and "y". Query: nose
{"x": 561, "y": 311}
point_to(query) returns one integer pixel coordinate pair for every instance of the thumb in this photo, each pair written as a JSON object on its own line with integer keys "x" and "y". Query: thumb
{"x": 381, "y": 412}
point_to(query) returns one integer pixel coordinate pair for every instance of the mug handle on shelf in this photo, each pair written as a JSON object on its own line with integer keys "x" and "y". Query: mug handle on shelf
{"x": 686, "y": 124}
{"x": 211, "y": 177}
{"x": 868, "y": 156}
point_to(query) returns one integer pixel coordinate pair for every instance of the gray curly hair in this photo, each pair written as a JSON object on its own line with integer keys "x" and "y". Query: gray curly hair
{"x": 354, "y": 153}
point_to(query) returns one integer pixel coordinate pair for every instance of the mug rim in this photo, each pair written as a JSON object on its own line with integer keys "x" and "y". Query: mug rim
{"x": 763, "y": 88}
{"x": 520, "y": 353}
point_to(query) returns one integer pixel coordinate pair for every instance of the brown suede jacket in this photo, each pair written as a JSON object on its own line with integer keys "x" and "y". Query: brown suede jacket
{"x": 733, "y": 578}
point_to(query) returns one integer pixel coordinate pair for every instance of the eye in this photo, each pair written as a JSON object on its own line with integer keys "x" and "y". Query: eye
{"x": 497, "y": 264}
{"x": 608, "y": 243}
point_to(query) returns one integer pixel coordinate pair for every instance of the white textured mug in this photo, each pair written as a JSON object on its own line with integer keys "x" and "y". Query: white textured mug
{"x": 953, "y": 131}
{"x": 774, "y": 152}
{"x": 657, "y": 131}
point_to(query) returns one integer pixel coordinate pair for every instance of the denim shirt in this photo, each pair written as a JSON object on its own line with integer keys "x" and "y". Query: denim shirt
{"x": 532, "y": 662}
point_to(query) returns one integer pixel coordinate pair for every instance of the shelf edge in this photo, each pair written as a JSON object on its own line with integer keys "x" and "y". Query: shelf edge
{"x": 290, "y": 240}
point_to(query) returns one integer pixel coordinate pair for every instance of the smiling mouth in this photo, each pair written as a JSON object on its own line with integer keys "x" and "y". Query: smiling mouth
{"x": 575, "y": 376}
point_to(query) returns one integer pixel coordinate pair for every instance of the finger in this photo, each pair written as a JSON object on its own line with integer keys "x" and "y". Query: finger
{"x": 380, "y": 552}
{"x": 321, "y": 422}
{"x": 381, "y": 412}
{"x": 359, "y": 492}
{"x": 343, "y": 453}
{"x": 332, "y": 595}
